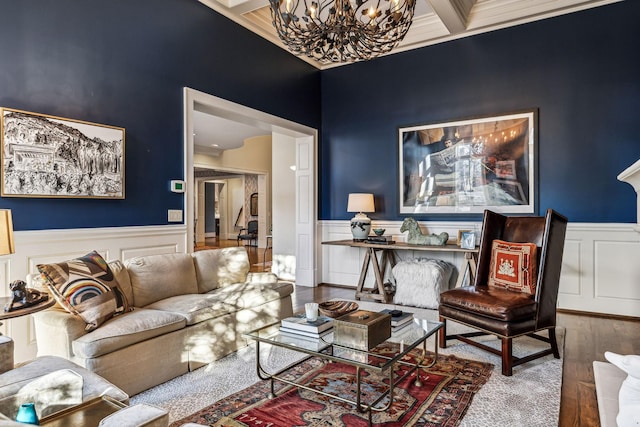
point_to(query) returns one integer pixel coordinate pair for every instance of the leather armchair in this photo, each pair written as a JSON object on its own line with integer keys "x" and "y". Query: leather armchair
{"x": 505, "y": 313}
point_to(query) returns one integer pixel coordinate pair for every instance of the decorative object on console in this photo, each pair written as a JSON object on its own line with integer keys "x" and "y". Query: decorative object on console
{"x": 417, "y": 238}
{"x": 382, "y": 240}
{"x": 472, "y": 165}
{"x": 87, "y": 287}
{"x": 63, "y": 158}
{"x": 460, "y": 235}
{"x": 468, "y": 240}
{"x": 340, "y": 30}
{"x": 378, "y": 231}
{"x": 629, "y": 395}
{"x": 337, "y": 308}
{"x": 360, "y": 223}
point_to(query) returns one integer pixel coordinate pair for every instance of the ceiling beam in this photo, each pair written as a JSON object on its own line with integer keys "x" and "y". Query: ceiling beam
{"x": 454, "y": 14}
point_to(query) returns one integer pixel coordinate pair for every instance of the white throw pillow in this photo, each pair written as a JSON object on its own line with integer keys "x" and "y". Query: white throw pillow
{"x": 420, "y": 281}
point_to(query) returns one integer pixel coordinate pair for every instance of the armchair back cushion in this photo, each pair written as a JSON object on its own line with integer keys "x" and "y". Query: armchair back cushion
{"x": 157, "y": 277}
{"x": 222, "y": 267}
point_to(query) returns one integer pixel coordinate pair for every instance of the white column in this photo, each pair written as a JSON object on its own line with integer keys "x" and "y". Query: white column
{"x": 631, "y": 175}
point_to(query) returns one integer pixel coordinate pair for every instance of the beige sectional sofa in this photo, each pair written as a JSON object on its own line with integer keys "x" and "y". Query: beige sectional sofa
{"x": 190, "y": 309}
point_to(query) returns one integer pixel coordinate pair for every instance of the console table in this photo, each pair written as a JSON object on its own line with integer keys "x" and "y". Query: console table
{"x": 388, "y": 257}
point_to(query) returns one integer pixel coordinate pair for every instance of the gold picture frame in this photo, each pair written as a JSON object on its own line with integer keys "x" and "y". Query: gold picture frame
{"x": 460, "y": 232}
{"x": 55, "y": 157}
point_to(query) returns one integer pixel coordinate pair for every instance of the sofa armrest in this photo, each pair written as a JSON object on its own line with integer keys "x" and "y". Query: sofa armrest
{"x": 56, "y": 330}
{"x": 608, "y": 380}
{"x": 137, "y": 416}
{"x": 262, "y": 278}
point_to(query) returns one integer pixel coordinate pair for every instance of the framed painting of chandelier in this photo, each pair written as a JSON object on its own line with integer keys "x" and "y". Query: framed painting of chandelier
{"x": 55, "y": 157}
{"x": 467, "y": 166}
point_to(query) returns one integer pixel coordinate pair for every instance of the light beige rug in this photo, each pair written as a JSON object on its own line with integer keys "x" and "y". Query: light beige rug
{"x": 530, "y": 397}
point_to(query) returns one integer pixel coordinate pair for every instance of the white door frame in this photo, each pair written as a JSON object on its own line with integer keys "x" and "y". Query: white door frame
{"x": 306, "y": 195}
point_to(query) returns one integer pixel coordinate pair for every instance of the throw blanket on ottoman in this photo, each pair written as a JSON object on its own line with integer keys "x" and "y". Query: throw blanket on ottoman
{"x": 420, "y": 281}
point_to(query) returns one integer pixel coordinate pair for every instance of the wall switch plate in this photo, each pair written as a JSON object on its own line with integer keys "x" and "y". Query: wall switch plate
{"x": 175, "y": 215}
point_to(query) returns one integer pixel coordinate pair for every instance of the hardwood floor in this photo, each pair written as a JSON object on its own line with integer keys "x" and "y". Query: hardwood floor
{"x": 587, "y": 338}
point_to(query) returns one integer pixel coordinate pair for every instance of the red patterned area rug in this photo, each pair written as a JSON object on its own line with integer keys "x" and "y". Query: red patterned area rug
{"x": 447, "y": 390}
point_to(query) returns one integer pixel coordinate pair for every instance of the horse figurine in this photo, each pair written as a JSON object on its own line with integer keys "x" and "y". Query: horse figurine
{"x": 417, "y": 238}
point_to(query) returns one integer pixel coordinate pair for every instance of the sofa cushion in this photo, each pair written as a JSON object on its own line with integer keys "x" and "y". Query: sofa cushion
{"x": 195, "y": 308}
{"x": 249, "y": 295}
{"x": 156, "y": 277}
{"x": 130, "y": 328}
{"x": 220, "y": 267}
{"x": 87, "y": 287}
{"x": 491, "y": 301}
{"x": 124, "y": 282}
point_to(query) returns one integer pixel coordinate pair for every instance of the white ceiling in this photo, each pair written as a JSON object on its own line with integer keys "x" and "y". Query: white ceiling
{"x": 435, "y": 21}
{"x": 213, "y": 134}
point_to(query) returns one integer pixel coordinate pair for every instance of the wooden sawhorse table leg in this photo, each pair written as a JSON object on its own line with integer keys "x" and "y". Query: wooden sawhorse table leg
{"x": 470, "y": 266}
{"x": 377, "y": 293}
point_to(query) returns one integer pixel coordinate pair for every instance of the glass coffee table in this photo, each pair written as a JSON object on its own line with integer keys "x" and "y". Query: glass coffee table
{"x": 408, "y": 338}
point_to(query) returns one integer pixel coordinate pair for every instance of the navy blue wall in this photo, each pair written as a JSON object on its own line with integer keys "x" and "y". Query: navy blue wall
{"x": 581, "y": 71}
{"x": 124, "y": 63}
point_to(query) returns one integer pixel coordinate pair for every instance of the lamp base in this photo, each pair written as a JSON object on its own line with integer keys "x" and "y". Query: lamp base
{"x": 360, "y": 227}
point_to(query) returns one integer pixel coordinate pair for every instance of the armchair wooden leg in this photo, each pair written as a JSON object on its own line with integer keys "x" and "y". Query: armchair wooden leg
{"x": 507, "y": 357}
{"x": 442, "y": 334}
{"x": 554, "y": 343}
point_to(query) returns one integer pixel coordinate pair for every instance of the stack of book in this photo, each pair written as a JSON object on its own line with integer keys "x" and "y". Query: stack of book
{"x": 399, "y": 319}
{"x": 380, "y": 240}
{"x": 300, "y": 326}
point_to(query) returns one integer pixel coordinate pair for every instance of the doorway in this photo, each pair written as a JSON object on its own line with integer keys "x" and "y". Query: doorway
{"x": 305, "y": 140}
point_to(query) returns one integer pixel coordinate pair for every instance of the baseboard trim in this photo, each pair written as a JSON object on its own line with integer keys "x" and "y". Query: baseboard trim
{"x": 598, "y": 315}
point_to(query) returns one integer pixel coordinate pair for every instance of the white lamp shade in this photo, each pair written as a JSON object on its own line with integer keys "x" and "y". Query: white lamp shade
{"x": 360, "y": 202}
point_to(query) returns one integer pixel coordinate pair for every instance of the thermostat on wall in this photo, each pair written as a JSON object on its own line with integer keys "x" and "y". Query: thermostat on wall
{"x": 177, "y": 186}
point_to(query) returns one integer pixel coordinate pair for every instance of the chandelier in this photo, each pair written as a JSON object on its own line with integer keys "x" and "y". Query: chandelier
{"x": 339, "y": 30}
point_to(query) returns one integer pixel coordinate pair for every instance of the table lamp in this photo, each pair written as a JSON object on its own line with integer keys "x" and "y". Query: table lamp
{"x": 6, "y": 232}
{"x": 360, "y": 223}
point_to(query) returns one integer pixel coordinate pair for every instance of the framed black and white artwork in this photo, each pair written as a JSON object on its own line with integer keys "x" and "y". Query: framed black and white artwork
{"x": 48, "y": 156}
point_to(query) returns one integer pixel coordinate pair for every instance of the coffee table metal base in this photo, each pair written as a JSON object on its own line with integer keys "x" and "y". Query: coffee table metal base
{"x": 359, "y": 405}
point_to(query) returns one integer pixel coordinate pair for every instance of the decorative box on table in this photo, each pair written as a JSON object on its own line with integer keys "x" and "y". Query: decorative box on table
{"x": 362, "y": 329}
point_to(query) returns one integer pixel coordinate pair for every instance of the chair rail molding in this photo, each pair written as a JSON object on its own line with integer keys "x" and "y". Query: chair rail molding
{"x": 631, "y": 176}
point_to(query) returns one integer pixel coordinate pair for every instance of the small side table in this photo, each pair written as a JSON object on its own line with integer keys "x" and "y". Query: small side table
{"x": 6, "y": 343}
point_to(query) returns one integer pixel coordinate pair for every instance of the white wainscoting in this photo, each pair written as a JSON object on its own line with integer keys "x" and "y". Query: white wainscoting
{"x": 44, "y": 246}
{"x": 600, "y": 270}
